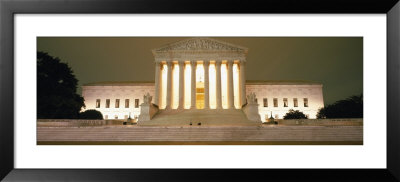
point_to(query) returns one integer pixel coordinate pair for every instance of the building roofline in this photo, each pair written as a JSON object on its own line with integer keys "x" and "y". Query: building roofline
{"x": 248, "y": 82}
{"x": 281, "y": 82}
{"x": 120, "y": 83}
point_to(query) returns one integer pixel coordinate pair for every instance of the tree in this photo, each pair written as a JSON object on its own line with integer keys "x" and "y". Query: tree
{"x": 295, "y": 114}
{"x": 91, "y": 114}
{"x": 56, "y": 89}
{"x": 352, "y": 107}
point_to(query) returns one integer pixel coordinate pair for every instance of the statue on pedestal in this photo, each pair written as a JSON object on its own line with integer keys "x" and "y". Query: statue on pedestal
{"x": 251, "y": 108}
{"x": 147, "y": 109}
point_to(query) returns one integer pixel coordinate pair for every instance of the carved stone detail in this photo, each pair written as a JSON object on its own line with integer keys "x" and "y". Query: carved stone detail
{"x": 251, "y": 98}
{"x": 147, "y": 98}
{"x": 201, "y": 44}
{"x": 200, "y": 49}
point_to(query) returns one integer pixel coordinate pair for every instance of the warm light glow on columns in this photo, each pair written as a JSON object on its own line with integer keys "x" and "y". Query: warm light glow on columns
{"x": 188, "y": 79}
{"x": 157, "y": 78}
{"x": 230, "y": 86}
{"x": 236, "y": 86}
{"x": 218, "y": 84}
{"x": 181, "y": 97}
{"x": 224, "y": 85}
{"x": 169, "y": 85}
{"x": 212, "y": 86}
{"x": 193, "y": 85}
{"x": 175, "y": 85}
{"x": 242, "y": 83}
{"x": 199, "y": 85}
{"x": 163, "y": 86}
{"x": 206, "y": 64}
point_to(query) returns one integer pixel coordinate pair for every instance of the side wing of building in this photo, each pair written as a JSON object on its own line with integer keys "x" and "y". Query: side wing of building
{"x": 277, "y": 98}
{"x": 116, "y": 100}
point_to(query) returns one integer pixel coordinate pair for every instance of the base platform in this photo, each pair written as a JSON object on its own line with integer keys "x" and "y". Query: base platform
{"x": 206, "y": 117}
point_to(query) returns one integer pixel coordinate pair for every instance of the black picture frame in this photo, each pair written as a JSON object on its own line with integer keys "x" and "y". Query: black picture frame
{"x": 8, "y": 8}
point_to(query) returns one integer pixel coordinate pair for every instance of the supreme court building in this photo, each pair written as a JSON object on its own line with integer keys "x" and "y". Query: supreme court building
{"x": 203, "y": 76}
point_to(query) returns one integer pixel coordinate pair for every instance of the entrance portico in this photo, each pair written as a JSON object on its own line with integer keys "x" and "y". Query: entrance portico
{"x": 200, "y": 73}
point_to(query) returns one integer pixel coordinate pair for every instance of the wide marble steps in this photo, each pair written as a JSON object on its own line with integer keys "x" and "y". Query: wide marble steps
{"x": 201, "y": 133}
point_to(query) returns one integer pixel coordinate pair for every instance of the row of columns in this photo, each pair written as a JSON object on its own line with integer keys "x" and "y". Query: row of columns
{"x": 242, "y": 89}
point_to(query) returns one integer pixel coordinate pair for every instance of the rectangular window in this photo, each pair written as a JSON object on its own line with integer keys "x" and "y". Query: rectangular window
{"x": 107, "y": 103}
{"x": 136, "y": 103}
{"x": 305, "y": 102}
{"x": 126, "y": 116}
{"x": 116, "y": 103}
{"x": 116, "y": 117}
{"x": 105, "y": 116}
{"x": 276, "y": 116}
{"x": 126, "y": 103}
{"x": 265, "y": 102}
{"x": 285, "y": 102}
{"x": 295, "y": 103}
{"x": 275, "y": 102}
{"x": 97, "y": 103}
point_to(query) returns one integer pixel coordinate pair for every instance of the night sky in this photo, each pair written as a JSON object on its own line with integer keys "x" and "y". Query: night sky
{"x": 336, "y": 62}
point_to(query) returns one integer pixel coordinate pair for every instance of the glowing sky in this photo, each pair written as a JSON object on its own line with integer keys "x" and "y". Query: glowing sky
{"x": 336, "y": 62}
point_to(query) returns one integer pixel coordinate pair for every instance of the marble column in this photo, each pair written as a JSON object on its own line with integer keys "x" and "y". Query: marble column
{"x": 231, "y": 104}
{"x": 169, "y": 85}
{"x": 156, "y": 100}
{"x": 206, "y": 85}
{"x": 193, "y": 65}
{"x": 218, "y": 84}
{"x": 181, "y": 85}
{"x": 242, "y": 83}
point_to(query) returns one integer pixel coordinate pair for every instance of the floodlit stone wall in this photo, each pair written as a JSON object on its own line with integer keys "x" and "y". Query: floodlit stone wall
{"x": 122, "y": 92}
{"x": 287, "y": 93}
{"x": 263, "y": 90}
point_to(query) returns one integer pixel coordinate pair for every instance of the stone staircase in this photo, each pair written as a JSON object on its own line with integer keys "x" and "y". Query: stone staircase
{"x": 263, "y": 133}
{"x": 215, "y": 117}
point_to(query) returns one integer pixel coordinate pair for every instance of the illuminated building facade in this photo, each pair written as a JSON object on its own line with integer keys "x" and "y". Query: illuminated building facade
{"x": 201, "y": 74}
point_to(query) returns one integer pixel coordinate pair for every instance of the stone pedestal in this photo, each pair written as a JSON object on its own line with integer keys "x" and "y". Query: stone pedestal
{"x": 147, "y": 111}
{"x": 251, "y": 111}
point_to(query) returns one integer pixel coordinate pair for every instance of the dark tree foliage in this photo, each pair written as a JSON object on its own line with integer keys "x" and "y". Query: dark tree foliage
{"x": 91, "y": 114}
{"x": 295, "y": 114}
{"x": 56, "y": 89}
{"x": 351, "y": 107}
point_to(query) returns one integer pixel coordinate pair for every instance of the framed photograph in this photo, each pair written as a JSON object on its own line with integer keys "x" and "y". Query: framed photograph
{"x": 107, "y": 91}
{"x": 221, "y": 105}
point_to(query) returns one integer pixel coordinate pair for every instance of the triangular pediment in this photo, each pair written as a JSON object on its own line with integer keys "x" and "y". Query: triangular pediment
{"x": 200, "y": 44}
